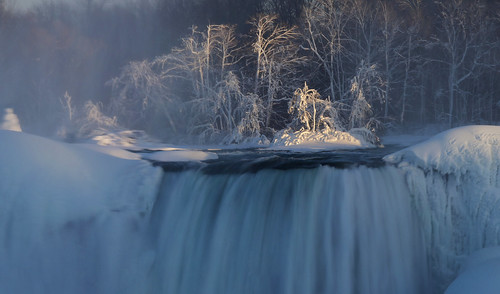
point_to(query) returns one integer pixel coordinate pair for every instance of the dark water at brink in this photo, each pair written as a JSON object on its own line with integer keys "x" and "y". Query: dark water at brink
{"x": 240, "y": 161}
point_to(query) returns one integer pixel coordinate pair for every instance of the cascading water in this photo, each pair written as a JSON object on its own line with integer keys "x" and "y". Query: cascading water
{"x": 322, "y": 230}
{"x": 262, "y": 225}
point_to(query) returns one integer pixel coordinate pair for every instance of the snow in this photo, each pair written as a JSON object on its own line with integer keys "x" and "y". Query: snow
{"x": 454, "y": 179}
{"x": 180, "y": 155}
{"x": 480, "y": 274}
{"x": 113, "y": 151}
{"x": 320, "y": 140}
{"x": 129, "y": 139}
{"x": 59, "y": 203}
{"x": 61, "y": 173}
{"x": 10, "y": 121}
{"x": 469, "y": 149}
{"x": 119, "y": 144}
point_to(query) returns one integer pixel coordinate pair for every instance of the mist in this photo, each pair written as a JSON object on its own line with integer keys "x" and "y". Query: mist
{"x": 380, "y": 65}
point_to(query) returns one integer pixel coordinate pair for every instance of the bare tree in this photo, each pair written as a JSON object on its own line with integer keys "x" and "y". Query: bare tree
{"x": 411, "y": 29}
{"x": 459, "y": 36}
{"x": 276, "y": 60}
{"x": 391, "y": 29}
{"x": 325, "y": 23}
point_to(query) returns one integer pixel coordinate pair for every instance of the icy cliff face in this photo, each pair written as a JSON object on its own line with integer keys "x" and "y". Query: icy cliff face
{"x": 455, "y": 184}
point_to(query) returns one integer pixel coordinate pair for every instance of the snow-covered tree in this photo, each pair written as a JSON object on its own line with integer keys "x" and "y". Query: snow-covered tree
{"x": 311, "y": 113}
{"x": 141, "y": 93}
{"x": 367, "y": 87}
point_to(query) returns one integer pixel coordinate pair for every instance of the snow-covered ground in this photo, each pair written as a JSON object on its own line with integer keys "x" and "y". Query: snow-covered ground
{"x": 304, "y": 141}
{"x": 323, "y": 140}
{"x": 479, "y": 274}
{"x": 455, "y": 180}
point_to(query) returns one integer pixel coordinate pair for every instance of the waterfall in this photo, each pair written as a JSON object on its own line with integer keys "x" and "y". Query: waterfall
{"x": 322, "y": 230}
{"x": 126, "y": 228}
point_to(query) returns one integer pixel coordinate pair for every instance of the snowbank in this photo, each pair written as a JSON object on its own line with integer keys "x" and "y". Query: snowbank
{"x": 470, "y": 149}
{"x": 480, "y": 274}
{"x": 68, "y": 181}
{"x": 454, "y": 178}
{"x": 118, "y": 144}
{"x": 64, "y": 207}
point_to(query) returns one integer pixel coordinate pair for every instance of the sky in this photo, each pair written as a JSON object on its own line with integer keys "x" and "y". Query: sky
{"x": 26, "y": 4}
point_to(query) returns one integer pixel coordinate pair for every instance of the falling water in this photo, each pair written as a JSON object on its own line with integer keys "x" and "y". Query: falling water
{"x": 315, "y": 230}
{"x": 322, "y": 230}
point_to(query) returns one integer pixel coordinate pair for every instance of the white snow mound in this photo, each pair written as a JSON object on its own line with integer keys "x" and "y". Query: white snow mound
{"x": 57, "y": 182}
{"x": 469, "y": 149}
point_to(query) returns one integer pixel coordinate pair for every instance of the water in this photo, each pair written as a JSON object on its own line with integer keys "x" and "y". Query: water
{"x": 254, "y": 160}
{"x": 249, "y": 222}
{"x": 321, "y": 230}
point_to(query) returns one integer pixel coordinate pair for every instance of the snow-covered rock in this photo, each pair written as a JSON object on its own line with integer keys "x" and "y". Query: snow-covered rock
{"x": 10, "y": 121}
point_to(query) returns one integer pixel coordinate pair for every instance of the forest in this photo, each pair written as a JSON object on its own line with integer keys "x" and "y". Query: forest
{"x": 234, "y": 71}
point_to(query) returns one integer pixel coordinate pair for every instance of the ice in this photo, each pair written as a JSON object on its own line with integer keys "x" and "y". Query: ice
{"x": 455, "y": 184}
{"x": 71, "y": 218}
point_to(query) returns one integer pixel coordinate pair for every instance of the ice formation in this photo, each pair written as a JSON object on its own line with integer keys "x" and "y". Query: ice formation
{"x": 455, "y": 183}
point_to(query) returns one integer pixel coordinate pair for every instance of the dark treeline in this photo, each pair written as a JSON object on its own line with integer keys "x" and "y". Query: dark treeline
{"x": 233, "y": 69}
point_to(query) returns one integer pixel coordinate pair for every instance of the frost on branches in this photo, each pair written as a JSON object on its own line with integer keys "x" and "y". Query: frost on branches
{"x": 310, "y": 112}
{"x": 315, "y": 120}
{"x": 366, "y": 88}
